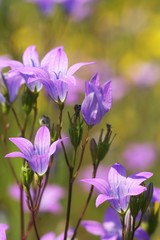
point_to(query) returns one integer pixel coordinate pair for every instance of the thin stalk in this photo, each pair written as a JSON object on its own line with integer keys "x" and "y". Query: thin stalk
{"x": 21, "y": 211}
{"x": 33, "y": 216}
{"x": 60, "y": 137}
{"x": 70, "y": 188}
{"x": 17, "y": 120}
{"x": 34, "y": 120}
{"x": 86, "y": 204}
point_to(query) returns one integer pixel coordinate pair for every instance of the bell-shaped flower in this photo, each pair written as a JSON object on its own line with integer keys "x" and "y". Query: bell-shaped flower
{"x": 118, "y": 188}
{"x": 3, "y": 228}
{"x": 111, "y": 227}
{"x": 97, "y": 102}
{"x": 37, "y": 155}
{"x": 60, "y": 76}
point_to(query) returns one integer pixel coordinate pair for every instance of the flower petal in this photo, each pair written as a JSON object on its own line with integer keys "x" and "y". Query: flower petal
{"x": 58, "y": 64}
{"x": 24, "y": 145}
{"x": 31, "y": 57}
{"x": 39, "y": 163}
{"x": 94, "y": 227}
{"x": 101, "y": 199}
{"x": 42, "y": 141}
{"x": 76, "y": 67}
{"x": 116, "y": 176}
{"x": 98, "y": 183}
{"x": 48, "y": 57}
{"x": 16, "y": 154}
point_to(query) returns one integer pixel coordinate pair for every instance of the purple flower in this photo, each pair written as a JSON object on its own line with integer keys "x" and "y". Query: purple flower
{"x": 50, "y": 201}
{"x": 3, "y": 228}
{"x": 37, "y": 155}
{"x": 139, "y": 156}
{"x": 59, "y": 75}
{"x": 78, "y": 9}
{"x": 118, "y": 188}
{"x": 111, "y": 227}
{"x": 97, "y": 102}
{"x": 46, "y": 6}
{"x": 52, "y": 236}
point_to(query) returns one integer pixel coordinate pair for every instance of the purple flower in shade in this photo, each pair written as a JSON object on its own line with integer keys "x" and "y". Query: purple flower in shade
{"x": 46, "y": 6}
{"x": 118, "y": 188}
{"x": 78, "y": 9}
{"x": 59, "y": 75}
{"x": 139, "y": 156}
{"x": 52, "y": 236}
{"x": 97, "y": 102}
{"x": 3, "y": 228}
{"x": 50, "y": 201}
{"x": 111, "y": 228}
{"x": 37, "y": 155}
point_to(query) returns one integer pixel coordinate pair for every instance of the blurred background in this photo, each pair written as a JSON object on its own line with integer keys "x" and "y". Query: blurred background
{"x": 123, "y": 38}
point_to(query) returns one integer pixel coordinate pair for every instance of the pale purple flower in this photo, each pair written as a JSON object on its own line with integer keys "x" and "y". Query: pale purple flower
{"x": 97, "y": 102}
{"x": 110, "y": 228}
{"x": 46, "y": 6}
{"x": 3, "y": 228}
{"x": 50, "y": 201}
{"x": 37, "y": 155}
{"x": 118, "y": 188}
{"x": 52, "y": 236}
{"x": 139, "y": 156}
{"x": 78, "y": 9}
{"x": 59, "y": 75}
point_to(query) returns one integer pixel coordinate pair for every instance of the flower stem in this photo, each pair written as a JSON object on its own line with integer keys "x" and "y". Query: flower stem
{"x": 86, "y": 204}
{"x": 21, "y": 211}
{"x": 70, "y": 188}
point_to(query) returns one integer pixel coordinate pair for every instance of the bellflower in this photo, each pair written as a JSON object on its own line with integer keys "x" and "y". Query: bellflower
{"x": 97, "y": 102}
{"x": 50, "y": 201}
{"x": 111, "y": 227}
{"x": 118, "y": 188}
{"x": 3, "y": 228}
{"x": 37, "y": 155}
{"x": 59, "y": 75}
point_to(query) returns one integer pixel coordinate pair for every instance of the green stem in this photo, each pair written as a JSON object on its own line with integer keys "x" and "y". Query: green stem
{"x": 70, "y": 188}
{"x": 86, "y": 204}
{"x": 33, "y": 215}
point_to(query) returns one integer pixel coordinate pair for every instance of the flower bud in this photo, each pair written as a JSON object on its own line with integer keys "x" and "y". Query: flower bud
{"x": 93, "y": 150}
{"x": 75, "y": 127}
{"x": 28, "y": 100}
{"x": 147, "y": 197}
{"x": 104, "y": 145}
{"x": 27, "y": 176}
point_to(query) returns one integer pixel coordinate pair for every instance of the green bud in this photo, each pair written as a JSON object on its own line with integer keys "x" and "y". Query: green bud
{"x": 93, "y": 150}
{"x": 75, "y": 127}
{"x": 147, "y": 197}
{"x": 28, "y": 100}
{"x": 104, "y": 144}
{"x": 27, "y": 175}
{"x": 135, "y": 205}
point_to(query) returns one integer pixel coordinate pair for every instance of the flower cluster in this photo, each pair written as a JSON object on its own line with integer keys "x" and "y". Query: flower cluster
{"x": 129, "y": 197}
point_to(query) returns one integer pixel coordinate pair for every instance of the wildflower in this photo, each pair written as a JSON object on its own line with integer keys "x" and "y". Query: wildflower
{"x": 59, "y": 75}
{"x": 97, "y": 102}
{"x": 37, "y": 155}
{"x": 111, "y": 227}
{"x": 118, "y": 188}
